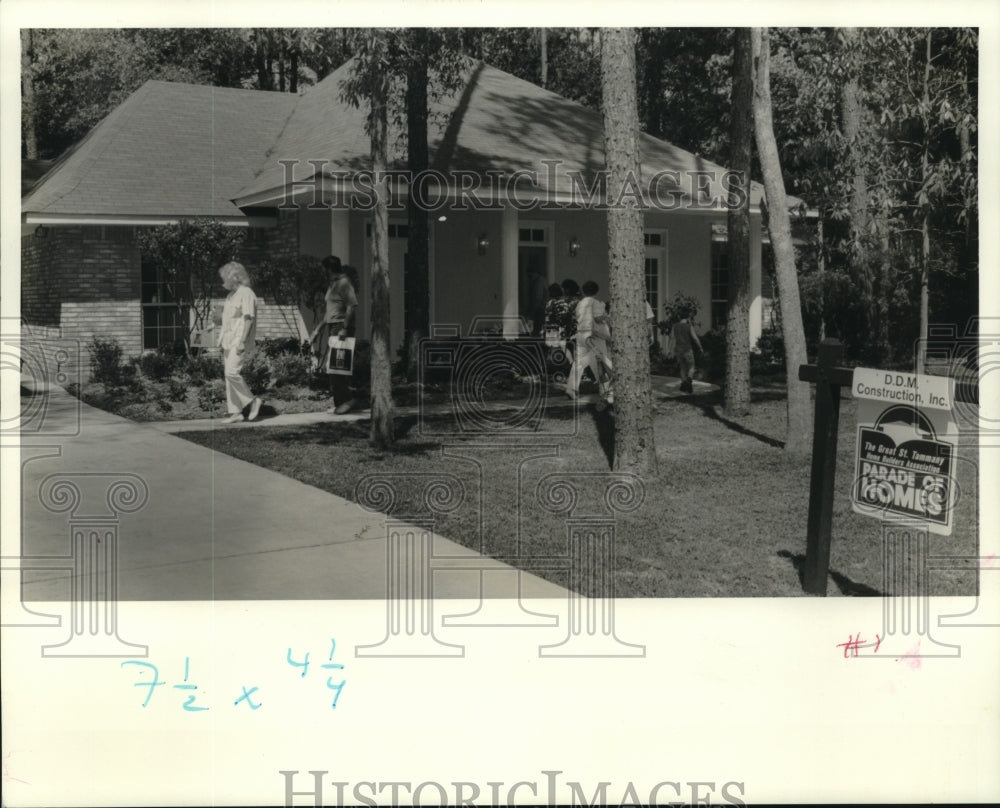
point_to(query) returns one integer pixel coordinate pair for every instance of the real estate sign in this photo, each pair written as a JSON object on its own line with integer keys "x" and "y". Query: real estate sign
{"x": 905, "y": 469}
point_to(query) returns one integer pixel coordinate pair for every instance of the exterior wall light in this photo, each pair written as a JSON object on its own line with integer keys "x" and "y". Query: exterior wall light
{"x": 574, "y": 247}
{"x": 41, "y": 231}
{"x": 482, "y": 244}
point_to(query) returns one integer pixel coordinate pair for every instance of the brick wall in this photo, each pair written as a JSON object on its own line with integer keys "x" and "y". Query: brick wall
{"x": 80, "y": 282}
{"x": 84, "y": 281}
{"x": 39, "y": 292}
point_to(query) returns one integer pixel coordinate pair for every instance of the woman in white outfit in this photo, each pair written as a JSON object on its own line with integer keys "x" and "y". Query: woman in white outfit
{"x": 592, "y": 337}
{"x": 237, "y": 341}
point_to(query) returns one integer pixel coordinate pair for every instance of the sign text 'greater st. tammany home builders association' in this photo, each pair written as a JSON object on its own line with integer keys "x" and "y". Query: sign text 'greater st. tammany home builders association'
{"x": 906, "y": 445}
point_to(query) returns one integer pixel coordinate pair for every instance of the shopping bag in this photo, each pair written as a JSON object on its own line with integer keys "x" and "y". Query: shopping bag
{"x": 340, "y": 359}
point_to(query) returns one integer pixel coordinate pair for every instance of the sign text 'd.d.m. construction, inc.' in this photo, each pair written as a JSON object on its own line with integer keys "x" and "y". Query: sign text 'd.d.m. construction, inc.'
{"x": 905, "y": 469}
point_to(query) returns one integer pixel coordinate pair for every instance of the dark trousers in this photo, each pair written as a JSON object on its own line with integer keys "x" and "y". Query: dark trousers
{"x": 340, "y": 388}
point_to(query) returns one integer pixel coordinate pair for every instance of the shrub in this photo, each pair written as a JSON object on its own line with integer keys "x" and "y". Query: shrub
{"x": 212, "y": 395}
{"x": 289, "y": 369}
{"x": 202, "y": 367}
{"x": 771, "y": 348}
{"x": 257, "y": 373}
{"x": 157, "y": 366}
{"x": 105, "y": 361}
{"x": 278, "y": 346}
{"x": 177, "y": 388}
{"x": 677, "y": 309}
{"x": 713, "y": 358}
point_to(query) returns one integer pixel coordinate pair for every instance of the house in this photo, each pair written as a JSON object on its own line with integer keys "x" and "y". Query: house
{"x": 514, "y": 186}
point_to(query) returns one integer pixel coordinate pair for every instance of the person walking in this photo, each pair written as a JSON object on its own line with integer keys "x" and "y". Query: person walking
{"x": 592, "y": 338}
{"x": 338, "y": 321}
{"x": 238, "y": 339}
{"x": 682, "y": 341}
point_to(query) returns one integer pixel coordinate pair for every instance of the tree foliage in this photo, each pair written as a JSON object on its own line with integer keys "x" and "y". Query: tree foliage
{"x": 301, "y": 281}
{"x": 78, "y": 76}
{"x": 875, "y": 132}
{"x": 188, "y": 255}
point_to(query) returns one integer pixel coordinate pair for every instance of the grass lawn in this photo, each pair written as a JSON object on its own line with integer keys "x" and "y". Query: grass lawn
{"x": 725, "y": 517}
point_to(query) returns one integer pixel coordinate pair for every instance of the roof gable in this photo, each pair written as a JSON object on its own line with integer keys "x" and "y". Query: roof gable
{"x": 168, "y": 149}
{"x": 496, "y": 122}
{"x": 173, "y": 150}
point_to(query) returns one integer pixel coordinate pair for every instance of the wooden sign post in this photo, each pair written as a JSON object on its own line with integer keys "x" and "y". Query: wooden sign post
{"x": 824, "y": 462}
{"x": 828, "y": 379}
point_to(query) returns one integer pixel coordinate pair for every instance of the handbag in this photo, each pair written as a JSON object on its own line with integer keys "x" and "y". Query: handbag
{"x": 340, "y": 359}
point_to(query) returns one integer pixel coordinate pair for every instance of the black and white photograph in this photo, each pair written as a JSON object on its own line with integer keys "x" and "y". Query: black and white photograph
{"x": 619, "y": 397}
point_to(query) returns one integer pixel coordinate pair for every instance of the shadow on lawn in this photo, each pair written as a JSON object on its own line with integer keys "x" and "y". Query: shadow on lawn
{"x": 844, "y": 584}
{"x": 708, "y": 405}
{"x": 605, "y": 425}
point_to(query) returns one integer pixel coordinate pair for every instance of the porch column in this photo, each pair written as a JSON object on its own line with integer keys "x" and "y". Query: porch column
{"x": 756, "y": 306}
{"x": 508, "y": 273}
{"x": 340, "y": 234}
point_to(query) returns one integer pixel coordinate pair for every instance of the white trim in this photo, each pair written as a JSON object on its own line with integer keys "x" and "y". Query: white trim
{"x": 431, "y": 271}
{"x": 508, "y": 273}
{"x": 664, "y": 279}
{"x": 150, "y": 221}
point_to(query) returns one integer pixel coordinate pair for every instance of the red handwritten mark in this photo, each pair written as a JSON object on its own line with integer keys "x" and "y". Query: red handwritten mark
{"x": 6, "y": 772}
{"x": 912, "y": 657}
{"x": 878, "y": 642}
{"x": 853, "y": 644}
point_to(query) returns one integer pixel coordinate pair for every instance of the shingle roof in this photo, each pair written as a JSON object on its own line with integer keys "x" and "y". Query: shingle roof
{"x": 169, "y": 149}
{"x": 497, "y": 122}
{"x": 189, "y": 150}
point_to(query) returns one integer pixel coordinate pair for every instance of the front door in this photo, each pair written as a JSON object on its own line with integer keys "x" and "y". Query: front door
{"x": 533, "y": 274}
{"x": 656, "y": 275}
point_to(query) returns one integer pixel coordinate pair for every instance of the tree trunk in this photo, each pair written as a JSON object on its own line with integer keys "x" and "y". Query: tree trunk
{"x": 799, "y": 428}
{"x": 417, "y": 284}
{"x": 925, "y": 219}
{"x": 635, "y": 449}
{"x": 382, "y": 432}
{"x": 28, "y": 96}
{"x": 737, "y": 396}
{"x": 861, "y": 265}
{"x": 293, "y": 73}
{"x": 264, "y": 79}
{"x": 545, "y": 57}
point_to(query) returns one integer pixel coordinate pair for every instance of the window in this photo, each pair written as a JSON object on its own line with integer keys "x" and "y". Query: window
{"x": 653, "y": 284}
{"x": 655, "y": 243}
{"x": 163, "y": 323}
{"x": 535, "y": 235}
{"x": 720, "y": 283}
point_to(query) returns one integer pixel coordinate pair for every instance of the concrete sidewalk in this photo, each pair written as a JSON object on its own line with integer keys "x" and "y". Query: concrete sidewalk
{"x": 214, "y": 527}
